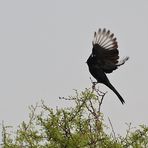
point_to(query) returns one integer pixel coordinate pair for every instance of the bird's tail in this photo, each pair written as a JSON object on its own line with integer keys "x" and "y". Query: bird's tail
{"x": 116, "y": 92}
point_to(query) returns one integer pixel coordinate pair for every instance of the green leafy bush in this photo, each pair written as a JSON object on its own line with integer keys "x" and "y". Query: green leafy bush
{"x": 81, "y": 126}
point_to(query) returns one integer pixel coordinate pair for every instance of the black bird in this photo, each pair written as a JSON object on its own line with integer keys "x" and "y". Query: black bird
{"x": 104, "y": 58}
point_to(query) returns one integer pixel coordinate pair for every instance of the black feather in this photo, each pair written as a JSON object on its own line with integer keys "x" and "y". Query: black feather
{"x": 104, "y": 58}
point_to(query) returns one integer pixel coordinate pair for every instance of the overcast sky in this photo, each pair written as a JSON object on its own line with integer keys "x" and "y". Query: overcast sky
{"x": 44, "y": 46}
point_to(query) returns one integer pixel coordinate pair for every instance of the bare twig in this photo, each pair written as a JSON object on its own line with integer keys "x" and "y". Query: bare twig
{"x": 99, "y": 93}
{"x": 63, "y": 98}
{"x": 114, "y": 134}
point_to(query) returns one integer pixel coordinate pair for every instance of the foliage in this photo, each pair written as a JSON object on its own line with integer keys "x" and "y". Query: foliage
{"x": 81, "y": 126}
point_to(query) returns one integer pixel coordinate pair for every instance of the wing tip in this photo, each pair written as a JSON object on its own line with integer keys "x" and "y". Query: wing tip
{"x": 105, "y": 39}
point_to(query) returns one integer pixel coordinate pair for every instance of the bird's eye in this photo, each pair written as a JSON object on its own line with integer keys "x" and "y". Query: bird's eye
{"x": 93, "y": 55}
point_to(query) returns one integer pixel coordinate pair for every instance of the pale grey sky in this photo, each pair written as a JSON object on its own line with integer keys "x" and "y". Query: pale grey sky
{"x": 44, "y": 46}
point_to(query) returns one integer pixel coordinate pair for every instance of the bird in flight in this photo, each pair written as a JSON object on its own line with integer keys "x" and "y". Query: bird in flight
{"x": 104, "y": 58}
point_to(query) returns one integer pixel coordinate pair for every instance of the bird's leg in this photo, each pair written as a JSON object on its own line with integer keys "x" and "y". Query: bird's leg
{"x": 94, "y": 84}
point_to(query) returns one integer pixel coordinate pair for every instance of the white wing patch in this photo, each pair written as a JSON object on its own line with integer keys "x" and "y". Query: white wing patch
{"x": 105, "y": 39}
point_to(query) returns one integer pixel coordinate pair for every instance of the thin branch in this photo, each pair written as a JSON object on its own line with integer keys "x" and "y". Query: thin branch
{"x": 114, "y": 134}
{"x": 99, "y": 93}
{"x": 63, "y": 98}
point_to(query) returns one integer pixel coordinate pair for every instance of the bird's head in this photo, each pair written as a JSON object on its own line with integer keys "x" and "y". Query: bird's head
{"x": 90, "y": 60}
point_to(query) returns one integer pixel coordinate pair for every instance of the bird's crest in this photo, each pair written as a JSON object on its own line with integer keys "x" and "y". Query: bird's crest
{"x": 105, "y": 39}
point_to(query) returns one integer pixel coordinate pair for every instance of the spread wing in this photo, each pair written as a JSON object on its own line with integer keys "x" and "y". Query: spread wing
{"x": 105, "y": 50}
